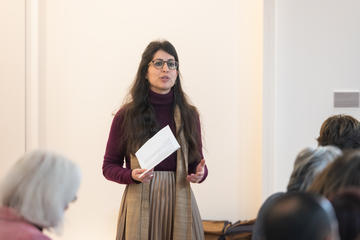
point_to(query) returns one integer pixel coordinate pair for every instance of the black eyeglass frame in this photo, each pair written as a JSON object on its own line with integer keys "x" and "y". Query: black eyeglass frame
{"x": 167, "y": 63}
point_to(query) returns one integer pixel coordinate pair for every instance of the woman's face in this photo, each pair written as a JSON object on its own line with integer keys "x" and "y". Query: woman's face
{"x": 162, "y": 78}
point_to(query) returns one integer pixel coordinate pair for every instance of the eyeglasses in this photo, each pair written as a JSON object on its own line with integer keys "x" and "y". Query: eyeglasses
{"x": 159, "y": 63}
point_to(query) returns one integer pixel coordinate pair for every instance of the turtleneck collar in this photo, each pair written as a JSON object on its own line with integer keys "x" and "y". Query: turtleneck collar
{"x": 161, "y": 99}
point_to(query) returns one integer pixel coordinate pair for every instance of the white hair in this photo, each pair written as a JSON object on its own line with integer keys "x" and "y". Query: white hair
{"x": 40, "y": 186}
{"x": 309, "y": 163}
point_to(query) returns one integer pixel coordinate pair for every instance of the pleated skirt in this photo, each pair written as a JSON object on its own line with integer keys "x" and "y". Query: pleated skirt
{"x": 162, "y": 205}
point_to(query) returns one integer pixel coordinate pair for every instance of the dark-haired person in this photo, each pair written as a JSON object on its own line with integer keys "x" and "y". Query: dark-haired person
{"x": 346, "y": 204}
{"x": 300, "y": 216}
{"x": 160, "y": 204}
{"x": 340, "y": 130}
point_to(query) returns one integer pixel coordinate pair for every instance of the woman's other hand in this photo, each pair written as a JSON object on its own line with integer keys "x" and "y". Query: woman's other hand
{"x": 199, "y": 174}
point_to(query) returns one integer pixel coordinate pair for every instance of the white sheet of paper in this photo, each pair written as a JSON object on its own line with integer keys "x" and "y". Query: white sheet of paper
{"x": 157, "y": 148}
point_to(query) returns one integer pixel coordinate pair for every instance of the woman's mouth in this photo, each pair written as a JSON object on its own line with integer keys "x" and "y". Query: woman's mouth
{"x": 164, "y": 78}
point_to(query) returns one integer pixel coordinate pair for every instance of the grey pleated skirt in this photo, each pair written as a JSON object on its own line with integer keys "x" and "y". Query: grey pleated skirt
{"x": 162, "y": 204}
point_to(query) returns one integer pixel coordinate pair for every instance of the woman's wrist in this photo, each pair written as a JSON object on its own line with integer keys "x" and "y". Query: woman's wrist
{"x": 132, "y": 178}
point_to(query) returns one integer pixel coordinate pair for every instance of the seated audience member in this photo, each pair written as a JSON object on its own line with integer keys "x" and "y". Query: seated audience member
{"x": 309, "y": 162}
{"x": 35, "y": 194}
{"x": 346, "y": 204}
{"x": 300, "y": 216}
{"x": 340, "y": 130}
{"x": 343, "y": 172}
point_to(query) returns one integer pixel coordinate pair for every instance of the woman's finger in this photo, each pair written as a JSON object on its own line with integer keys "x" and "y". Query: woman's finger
{"x": 194, "y": 178}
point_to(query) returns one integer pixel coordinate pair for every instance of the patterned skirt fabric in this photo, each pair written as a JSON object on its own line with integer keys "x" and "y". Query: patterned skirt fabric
{"x": 162, "y": 205}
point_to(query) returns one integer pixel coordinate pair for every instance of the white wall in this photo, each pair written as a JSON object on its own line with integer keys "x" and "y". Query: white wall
{"x": 89, "y": 52}
{"x": 88, "y": 55}
{"x": 12, "y": 82}
{"x": 315, "y": 51}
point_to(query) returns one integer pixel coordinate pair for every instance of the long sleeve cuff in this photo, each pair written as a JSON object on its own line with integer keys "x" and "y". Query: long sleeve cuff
{"x": 205, "y": 174}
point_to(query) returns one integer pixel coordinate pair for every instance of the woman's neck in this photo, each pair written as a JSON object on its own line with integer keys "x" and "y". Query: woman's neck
{"x": 161, "y": 99}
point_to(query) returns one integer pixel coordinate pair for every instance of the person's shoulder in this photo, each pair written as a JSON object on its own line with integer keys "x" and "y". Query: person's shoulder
{"x": 37, "y": 236}
{"x": 122, "y": 111}
{"x": 22, "y": 230}
{"x": 193, "y": 110}
{"x": 32, "y": 233}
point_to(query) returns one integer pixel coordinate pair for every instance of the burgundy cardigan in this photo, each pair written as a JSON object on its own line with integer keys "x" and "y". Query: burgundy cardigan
{"x": 115, "y": 153}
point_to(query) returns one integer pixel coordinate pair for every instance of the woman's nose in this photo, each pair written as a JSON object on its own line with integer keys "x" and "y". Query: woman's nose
{"x": 165, "y": 67}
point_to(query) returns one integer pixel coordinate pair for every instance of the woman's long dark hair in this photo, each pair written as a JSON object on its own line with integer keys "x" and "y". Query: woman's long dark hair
{"x": 139, "y": 118}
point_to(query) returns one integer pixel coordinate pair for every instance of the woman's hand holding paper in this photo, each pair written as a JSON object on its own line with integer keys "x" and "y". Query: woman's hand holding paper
{"x": 137, "y": 175}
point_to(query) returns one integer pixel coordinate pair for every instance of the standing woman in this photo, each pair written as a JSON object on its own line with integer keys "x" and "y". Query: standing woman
{"x": 159, "y": 204}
